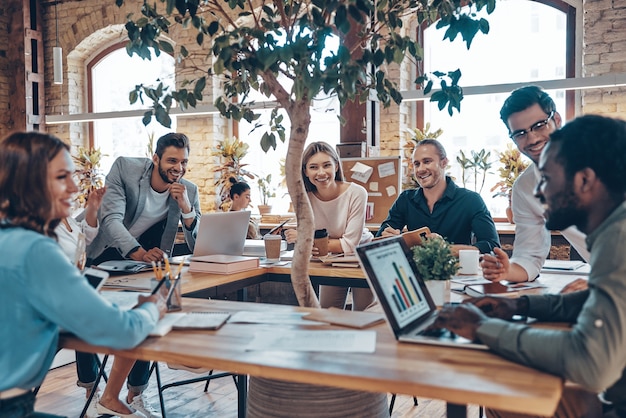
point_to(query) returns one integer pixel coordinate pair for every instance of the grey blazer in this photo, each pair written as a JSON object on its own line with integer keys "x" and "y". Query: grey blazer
{"x": 128, "y": 184}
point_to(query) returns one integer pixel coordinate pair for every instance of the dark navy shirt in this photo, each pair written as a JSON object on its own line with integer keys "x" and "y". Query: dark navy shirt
{"x": 458, "y": 214}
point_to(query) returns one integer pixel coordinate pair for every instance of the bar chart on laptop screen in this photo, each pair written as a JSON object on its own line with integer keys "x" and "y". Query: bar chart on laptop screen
{"x": 402, "y": 291}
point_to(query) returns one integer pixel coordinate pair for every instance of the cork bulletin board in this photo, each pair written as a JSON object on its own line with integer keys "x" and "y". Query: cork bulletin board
{"x": 381, "y": 178}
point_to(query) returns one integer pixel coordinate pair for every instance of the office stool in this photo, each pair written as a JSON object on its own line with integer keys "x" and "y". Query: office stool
{"x": 207, "y": 378}
{"x": 393, "y": 401}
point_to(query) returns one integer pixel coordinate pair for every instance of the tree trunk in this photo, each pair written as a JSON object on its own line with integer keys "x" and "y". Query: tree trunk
{"x": 300, "y": 116}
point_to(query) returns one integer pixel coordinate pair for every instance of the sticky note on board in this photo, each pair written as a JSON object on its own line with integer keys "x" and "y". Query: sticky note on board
{"x": 391, "y": 190}
{"x": 373, "y": 186}
{"x": 361, "y": 172}
{"x": 386, "y": 169}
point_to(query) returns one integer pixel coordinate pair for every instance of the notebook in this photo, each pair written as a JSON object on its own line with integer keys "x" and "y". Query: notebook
{"x": 409, "y": 309}
{"x": 222, "y": 233}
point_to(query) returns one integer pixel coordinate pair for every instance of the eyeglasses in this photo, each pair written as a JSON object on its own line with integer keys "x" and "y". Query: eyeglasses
{"x": 538, "y": 127}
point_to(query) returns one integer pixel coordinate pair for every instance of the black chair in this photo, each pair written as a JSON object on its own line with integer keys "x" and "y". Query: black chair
{"x": 393, "y": 401}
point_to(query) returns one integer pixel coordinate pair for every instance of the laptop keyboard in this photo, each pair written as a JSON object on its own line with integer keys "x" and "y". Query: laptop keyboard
{"x": 437, "y": 333}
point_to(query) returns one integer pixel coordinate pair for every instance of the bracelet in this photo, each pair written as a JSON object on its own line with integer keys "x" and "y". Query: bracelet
{"x": 189, "y": 215}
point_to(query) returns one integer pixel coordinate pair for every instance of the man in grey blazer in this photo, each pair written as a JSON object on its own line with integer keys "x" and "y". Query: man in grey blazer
{"x": 144, "y": 202}
{"x": 139, "y": 216}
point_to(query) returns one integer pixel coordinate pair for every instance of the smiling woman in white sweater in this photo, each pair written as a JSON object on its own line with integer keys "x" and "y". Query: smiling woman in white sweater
{"x": 339, "y": 207}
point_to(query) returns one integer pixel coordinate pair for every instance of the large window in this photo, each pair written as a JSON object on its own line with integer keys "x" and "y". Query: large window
{"x": 527, "y": 43}
{"x": 113, "y": 75}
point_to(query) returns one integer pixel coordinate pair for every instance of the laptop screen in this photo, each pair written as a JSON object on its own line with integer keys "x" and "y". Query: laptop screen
{"x": 388, "y": 266}
{"x": 222, "y": 233}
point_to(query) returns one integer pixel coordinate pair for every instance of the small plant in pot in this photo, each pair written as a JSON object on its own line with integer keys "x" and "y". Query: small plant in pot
{"x": 436, "y": 265}
{"x": 267, "y": 192}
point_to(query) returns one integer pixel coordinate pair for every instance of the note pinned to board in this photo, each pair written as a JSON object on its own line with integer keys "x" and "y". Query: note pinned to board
{"x": 361, "y": 172}
{"x": 373, "y": 186}
{"x": 386, "y": 169}
{"x": 391, "y": 191}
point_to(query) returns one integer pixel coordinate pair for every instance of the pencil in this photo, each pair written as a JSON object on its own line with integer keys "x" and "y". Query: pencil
{"x": 154, "y": 269}
{"x": 167, "y": 264}
{"x": 178, "y": 270}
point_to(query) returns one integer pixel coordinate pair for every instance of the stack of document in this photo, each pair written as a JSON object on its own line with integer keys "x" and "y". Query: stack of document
{"x": 223, "y": 264}
{"x": 565, "y": 267}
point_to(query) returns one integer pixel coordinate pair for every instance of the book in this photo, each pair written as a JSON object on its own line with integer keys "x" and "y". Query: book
{"x": 566, "y": 267}
{"x": 189, "y": 320}
{"x": 223, "y": 264}
{"x": 124, "y": 266}
{"x": 352, "y": 319}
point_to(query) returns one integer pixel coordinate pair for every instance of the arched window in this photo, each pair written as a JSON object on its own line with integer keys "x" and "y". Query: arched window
{"x": 112, "y": 74}
{"x": 528, "y": 42}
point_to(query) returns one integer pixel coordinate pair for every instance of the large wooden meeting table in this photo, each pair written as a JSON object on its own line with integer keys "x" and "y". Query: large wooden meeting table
{"x": 456, "y": 375}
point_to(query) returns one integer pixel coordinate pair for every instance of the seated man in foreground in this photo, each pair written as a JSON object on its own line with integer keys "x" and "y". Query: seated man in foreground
{"x": 582, "y": 184}
{"x": 455, "y": 213}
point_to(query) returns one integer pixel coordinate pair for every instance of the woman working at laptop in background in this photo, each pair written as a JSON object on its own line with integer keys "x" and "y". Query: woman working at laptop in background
{"x": 39, "y": 282}
{"x": 339, "y": 207}
{"x": 240, "y": 197}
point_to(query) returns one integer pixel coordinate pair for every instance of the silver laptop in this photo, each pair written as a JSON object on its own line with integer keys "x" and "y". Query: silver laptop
{"x": 409, "y": 308}
{"x": 222, "y": 233}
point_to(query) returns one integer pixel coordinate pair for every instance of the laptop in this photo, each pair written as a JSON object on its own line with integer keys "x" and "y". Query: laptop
{"x": 222, "y": 233}
{"x": 392, "y": 275}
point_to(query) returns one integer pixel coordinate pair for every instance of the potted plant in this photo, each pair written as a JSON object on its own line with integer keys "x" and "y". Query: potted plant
{"x": 476, "y": 165}
{"x": 267, "y": 192}
{"x": 512, "y": 166}
{"x": 87, "y": 161}
{"x": 436, "y": 265}
{"x": 231, "y": 152}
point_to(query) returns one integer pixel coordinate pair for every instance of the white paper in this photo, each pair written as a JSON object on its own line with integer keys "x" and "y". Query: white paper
{"x": 373, "y": 186}
{"x": 361, "y": 172}
{"x": 386, "y": 169}
{"x": 316, "y": 341}
{"x": 124, "y": 300}
{"x": 134, "y": 283}
{"x": 391, "y": 191}
{"x": 286, "y": 318}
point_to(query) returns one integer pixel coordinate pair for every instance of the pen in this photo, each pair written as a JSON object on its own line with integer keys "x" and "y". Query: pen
{"x": 158, "y": 286}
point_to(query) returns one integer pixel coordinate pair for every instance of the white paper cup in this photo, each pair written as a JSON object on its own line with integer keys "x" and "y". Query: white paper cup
{"x": 468, "y": 260}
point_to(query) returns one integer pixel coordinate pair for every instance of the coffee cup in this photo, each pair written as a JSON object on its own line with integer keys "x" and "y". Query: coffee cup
{"x": 320, "y": 241}
{"x": 468, "y": 261}
{"x": 272, "y": 247}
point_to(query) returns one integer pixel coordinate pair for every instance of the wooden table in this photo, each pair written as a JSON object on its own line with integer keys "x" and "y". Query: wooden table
{"x": 455, "y": 375}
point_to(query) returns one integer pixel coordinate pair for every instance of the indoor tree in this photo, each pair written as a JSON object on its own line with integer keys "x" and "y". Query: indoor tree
{"x": 256, "y": 44}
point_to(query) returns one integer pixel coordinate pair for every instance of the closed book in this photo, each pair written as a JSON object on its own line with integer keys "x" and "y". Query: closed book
{"x": 223, "y": 264}
{"x": 500, "y": 289}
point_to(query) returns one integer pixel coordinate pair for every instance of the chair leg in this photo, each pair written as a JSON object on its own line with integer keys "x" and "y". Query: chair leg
{"x": 101, "y": 374}
{"x": 393, "y": 401}
{"x": 206, "y": 386}
{"x": 155, "y": 367}
{"x": 481, "y": 411}
{"x": 415, "y": 401}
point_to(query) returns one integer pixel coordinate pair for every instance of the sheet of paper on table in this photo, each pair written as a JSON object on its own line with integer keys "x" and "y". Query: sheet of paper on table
{"x": 314, "y": 341}
{"x": 286, "y": 318}
{"x": 129, "y": 282}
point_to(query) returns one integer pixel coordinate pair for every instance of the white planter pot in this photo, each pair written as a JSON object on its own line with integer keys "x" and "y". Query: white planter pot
{"x": 439, "y": 290}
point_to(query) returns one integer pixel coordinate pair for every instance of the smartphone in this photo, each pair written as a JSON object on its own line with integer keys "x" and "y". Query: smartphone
{"x": 413, "y": 238}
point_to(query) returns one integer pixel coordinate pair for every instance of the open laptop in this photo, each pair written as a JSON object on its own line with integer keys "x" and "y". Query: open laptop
{"x": 392, "y": 274}
{"x": 222, "y": 233}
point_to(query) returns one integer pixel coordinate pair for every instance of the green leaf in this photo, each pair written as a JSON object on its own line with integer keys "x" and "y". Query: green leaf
{"x": 133, "y": 96}
{"x": 166, "y": 46}
{"x": 163, "y": 117}
{"x": 147, "y": 117}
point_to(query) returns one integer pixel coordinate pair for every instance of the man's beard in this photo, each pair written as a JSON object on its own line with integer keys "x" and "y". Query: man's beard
{"x": 164, "y": 176}
{"x": 564, "y": 211}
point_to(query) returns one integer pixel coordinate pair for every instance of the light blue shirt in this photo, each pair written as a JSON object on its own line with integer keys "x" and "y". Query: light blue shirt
{"x": 42, "y": 291}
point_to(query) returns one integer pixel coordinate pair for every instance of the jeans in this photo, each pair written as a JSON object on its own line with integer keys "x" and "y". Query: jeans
{"x": 87, "y": 369}
{"x": 21, "y": 407}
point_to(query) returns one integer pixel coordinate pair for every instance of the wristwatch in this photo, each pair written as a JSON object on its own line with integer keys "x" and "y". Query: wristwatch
{"x": 189, "y": 215}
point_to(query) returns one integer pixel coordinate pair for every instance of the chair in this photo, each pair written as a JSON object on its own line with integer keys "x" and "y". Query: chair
{"x": 101, "y": 374}
{"x": 210, "y": 376}
{"x": 393, "y": 401}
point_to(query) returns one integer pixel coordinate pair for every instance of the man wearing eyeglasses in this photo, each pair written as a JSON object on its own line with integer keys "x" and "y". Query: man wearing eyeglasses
{"x": 530, "y": 115}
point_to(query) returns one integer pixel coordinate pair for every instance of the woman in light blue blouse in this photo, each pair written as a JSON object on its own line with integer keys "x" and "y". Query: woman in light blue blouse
{"x": 42, "y": 291}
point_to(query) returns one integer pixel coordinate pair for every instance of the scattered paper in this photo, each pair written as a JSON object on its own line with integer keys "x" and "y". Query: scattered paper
{"x": 134, "y": 283}
{"x": 361, "y": 172}
{"x": 316, "y": 341}
{"x": 470, "y": 280}
{"x": 124, "y": 300}
{"x": 391, "y": 190}
{"x": 286, "y": 318}
{"x": 373, "y": 186}
{"x": 386, "y": 169}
